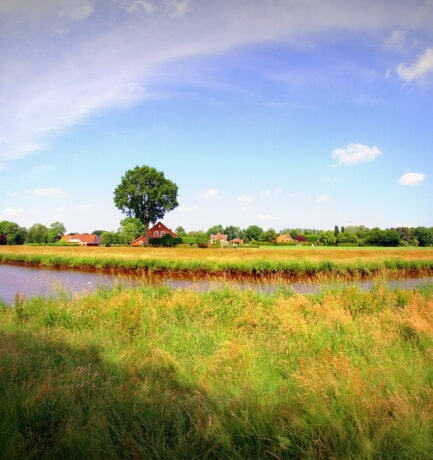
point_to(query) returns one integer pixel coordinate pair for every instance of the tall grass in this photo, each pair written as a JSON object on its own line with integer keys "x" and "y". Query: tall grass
{"x": 154, "y": 373}
{"x": 287, "y": 267}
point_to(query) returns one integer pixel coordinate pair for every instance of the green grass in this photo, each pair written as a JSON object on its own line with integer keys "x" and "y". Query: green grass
{"x": 158, "y": 374}
{"x": 245, "y": 267}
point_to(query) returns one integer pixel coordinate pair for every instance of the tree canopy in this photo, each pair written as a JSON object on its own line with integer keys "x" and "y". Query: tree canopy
{"x": 145, "y": 193}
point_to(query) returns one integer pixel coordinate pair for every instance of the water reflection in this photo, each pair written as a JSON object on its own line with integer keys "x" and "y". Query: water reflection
{"x": 43, "y": 282}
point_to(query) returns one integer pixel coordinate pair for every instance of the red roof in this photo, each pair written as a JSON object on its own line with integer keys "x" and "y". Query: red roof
{"x": 82, "y": 238}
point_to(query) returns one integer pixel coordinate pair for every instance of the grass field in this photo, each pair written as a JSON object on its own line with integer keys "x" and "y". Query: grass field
{"x": 291, "y": 261}
{"x": 157, "y": 374}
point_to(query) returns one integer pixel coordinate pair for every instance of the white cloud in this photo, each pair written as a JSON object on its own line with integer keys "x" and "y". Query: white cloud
{"x": 271, "y": 192}
{"x": 322, "y": 198}
{"x": 355, "y": 153}
{"x": 49, "y": 84}
{"x": 417, "y": 71}
{"x": 133, "y": 6}
{"x": 294, "y": 195}
{"x": 396, "y": 40}
{"x": 186, "y": 209}
{"x": 11, "y": 212}
{"x": 210, "y": 193}
{"x": 245, "y": 198}
{"x": 267, "y": 217}
{"x": 412, "y": 179}
{"x": 181, "y": 7}
{"x": 243, "y": 209}
{"x": 49, "y": 192}
{"x": 77, "y": 10}
{"x": 84, "y": 207}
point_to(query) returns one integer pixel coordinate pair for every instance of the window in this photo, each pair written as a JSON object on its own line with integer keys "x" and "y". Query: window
{"x": 156, "y": 233}
{"x": 162, "y": 233}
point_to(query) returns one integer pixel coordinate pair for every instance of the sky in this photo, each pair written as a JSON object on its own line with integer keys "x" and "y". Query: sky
{"x": 279, "y": 113}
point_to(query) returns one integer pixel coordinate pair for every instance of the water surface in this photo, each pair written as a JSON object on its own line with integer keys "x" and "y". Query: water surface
{"x": 26, "y": 281}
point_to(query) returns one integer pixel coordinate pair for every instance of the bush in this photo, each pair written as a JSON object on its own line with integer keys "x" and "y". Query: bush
{"x": 189, "y": 240}
{"x": 202, "y": 240}
{"x": 167, "y": 241}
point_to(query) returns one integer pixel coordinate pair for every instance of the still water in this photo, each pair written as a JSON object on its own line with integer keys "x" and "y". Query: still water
{"x": 29, "y": 282}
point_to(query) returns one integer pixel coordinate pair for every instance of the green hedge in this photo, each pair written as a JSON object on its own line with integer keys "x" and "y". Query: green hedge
{"x": 189, "y": 240}
{"x": 165, "y": 241}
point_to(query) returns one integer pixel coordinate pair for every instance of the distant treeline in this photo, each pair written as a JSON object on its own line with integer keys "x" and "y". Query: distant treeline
{"x": 130, "y": 229}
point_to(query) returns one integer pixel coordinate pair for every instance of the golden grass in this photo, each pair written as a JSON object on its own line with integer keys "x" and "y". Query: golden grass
{"x": 230, "y": 255}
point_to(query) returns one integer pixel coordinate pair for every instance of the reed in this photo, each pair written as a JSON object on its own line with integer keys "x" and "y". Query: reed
{"x": 154, "y": 373}
{"x": 170, "y": 263}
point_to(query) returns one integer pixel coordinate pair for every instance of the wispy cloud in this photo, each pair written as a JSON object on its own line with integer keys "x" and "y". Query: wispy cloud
{"x": 84, "y": 207}
{"x": 49, "y": 192}
{"x": 11, "y": 212}
{"x": 187, "y": 209}
{"x": 322, "y": 198}
{"x": 267, "y": 217}
{"x": 412, "y": 179}
{"x": 60, "y": 61}
{"x": 210, "y": 193}
{"x": 245, "y": 198}
{"x": 353, "y": 154}
{"x": 271, "y": 192}
{"x": 417, "y": 71}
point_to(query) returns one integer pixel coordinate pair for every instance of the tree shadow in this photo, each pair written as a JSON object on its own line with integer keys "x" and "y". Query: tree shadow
{"x": 64, "y": 401}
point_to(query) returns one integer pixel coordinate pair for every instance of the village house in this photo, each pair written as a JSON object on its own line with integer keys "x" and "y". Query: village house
{"x": 157, "y": 231}
{"x": 238, "y": 241}
{"x": 285, "y": 238}
{"x": 82, "y": 239}
{"x": 218, "y": 237}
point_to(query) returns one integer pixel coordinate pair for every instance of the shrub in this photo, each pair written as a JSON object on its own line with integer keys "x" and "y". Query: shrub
{"x": 188, "y": 240}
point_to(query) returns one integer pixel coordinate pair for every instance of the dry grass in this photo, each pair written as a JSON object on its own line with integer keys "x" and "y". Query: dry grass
{"x": 229, "y": 255}
{"x": 153, "y": 373}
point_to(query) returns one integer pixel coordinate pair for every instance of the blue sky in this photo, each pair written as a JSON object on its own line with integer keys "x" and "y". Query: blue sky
{"x": 281, "y": 113}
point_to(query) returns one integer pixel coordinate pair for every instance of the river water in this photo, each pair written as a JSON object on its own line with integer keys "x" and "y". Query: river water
{"x": 29, "y": 282}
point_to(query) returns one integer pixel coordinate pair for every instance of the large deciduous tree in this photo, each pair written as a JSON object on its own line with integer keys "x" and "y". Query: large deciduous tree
{"x": 55, "y": 232}
{"x": 38, "y": 233}
{"x": 145, "y": 193}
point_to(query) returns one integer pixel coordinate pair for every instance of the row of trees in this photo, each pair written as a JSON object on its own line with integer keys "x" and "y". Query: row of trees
{"x": 131, "y": 228}
{"x": 350, "y": 235}
{"x": 12, "y": 233}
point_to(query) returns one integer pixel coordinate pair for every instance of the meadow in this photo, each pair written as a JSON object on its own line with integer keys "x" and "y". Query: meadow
{"x": 151, "y": 373}
{"x": 290, "y": 261}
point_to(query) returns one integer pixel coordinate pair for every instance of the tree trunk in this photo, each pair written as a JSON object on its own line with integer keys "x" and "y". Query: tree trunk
{"x": 146, "y": 235}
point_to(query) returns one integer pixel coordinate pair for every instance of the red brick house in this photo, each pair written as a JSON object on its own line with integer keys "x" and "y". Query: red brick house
{"x": 218, "y": 237}
{"x": 82, "y": 240}
{"x": 157, "y": 231}
{"x": 238, "y": 241}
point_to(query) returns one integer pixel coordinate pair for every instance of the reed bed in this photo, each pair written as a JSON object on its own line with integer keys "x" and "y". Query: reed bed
{"x": 151, "y": 373}
{"x": 243, "y": 262}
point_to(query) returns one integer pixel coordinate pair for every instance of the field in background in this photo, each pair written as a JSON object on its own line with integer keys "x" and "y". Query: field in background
{"x": 153, "y": 373}
{"x": 230, "y": 255}
{"x": 293, "y": 262}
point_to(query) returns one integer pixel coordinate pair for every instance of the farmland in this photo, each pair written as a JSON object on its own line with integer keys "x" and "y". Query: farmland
{"x": 289, "y": 261}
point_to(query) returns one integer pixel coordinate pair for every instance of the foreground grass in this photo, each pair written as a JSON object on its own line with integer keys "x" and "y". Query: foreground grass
{"x": 245, "y": 262}
{"x": 154, "y": 373}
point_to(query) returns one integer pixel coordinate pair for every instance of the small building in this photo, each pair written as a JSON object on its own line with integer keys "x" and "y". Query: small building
{"x": 218, "y": 237}
{"x": 285, "y": 238}
{"x": 157, "y": 231}
{"x": 238, "y": 241}
{"x": 82, "y": 239}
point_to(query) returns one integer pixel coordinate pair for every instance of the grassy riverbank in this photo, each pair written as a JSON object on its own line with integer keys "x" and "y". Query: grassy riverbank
{"x": 154, "y": 373}
{"x": 333, "y": 262}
